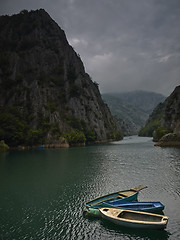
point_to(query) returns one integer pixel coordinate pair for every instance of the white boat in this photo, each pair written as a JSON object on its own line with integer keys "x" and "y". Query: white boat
{"x": 134, "y": 219}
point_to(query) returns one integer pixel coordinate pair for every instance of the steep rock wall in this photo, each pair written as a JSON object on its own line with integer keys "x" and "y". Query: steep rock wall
{"x": 44, "y": 80}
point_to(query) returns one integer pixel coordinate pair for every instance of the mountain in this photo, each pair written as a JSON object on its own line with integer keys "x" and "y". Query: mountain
{"x": 144, "y": 100}
{"x": 153, "y": 122}
{"x": 132, "y": 109}
{"x": 46, "y": 97}
{"x": 171, "y": 116}
{"x": 165, "y": 120}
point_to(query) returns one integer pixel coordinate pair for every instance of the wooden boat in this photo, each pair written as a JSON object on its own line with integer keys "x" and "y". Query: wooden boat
{"x": 121, "y": 196}
{"x": 138, "y": 206}
{"x": 134, "y": 219}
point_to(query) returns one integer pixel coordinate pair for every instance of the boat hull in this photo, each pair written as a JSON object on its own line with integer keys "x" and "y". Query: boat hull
{"x": 133, "y": 219}
{"x": 153, "y": 207}
{"x": 121, "y": 196}
{"x": 102, "y": 202}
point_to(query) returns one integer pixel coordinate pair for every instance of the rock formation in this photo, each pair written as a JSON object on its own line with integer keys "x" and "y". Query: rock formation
{"x": 171, "y": 121}
{"x": 46, "y": 97}
{"x": 164, "y": 123}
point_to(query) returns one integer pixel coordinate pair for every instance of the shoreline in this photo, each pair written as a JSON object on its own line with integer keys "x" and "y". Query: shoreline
{"x": 167, "y": 144}
{"x": 60, "y": 145}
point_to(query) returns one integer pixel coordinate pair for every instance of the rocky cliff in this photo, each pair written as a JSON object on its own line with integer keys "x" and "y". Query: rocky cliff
{"x": 164, "y": 122}
{"x": 46, "y": 97}
{"x": 171, "y": 117}
{"x": 153, "y": 122}
{"x": 169, "y": 132}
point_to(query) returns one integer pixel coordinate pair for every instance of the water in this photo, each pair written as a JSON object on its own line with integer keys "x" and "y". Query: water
{"x": 43, "y": 192}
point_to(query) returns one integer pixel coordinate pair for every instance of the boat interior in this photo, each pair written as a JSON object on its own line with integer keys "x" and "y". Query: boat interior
{"x": 139, "y": 217}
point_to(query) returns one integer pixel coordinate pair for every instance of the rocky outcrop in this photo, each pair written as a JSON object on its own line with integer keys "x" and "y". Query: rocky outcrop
{"x": 170, "y": 124}
{"x": 153, "y": 122}
{"x": 46, "y": 97}
{"x": 171, "y": 116}
{"x": 164, "y": 122}
{"x": 169, "y": 140}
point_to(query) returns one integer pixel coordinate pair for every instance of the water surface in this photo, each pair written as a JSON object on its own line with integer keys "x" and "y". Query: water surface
{"x": 43, "y": 192}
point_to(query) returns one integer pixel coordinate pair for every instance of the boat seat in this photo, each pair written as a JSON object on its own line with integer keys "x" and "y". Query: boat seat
{"x": 120, "y": 215}
{"x": 122, "y": 195}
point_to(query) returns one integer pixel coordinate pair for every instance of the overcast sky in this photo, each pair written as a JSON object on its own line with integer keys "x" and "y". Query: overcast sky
{"x": 125, "y": 45}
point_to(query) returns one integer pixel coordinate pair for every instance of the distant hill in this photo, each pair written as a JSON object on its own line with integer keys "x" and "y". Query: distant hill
{"x": 132, "y": 109}
{"x": 46, "y": 97}
{"x": 144, "y": 100}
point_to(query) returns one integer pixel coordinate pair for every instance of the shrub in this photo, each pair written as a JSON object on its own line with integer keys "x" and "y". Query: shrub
{"x": 13, "y": 127}
{"x": 149, "y": 128}
{"x": 3, "y": 146}
{"x": 74, "y": 122}
{"x": 160, "y": 132}
{"x": 34, "y": 137}
{"x": 75, "y": 137}
{"x": 91, "y": 135}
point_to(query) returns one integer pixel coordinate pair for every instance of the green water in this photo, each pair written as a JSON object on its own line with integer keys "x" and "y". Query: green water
{"x": 43, "y": 192}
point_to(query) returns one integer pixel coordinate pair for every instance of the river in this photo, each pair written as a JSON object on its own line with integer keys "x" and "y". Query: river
{"x": 43, "y": 192}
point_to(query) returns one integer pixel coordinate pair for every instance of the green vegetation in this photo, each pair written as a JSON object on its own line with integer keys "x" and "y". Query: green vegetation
{"x": 160, "y": 132}
{"x": 116, "y": 136}
{"x": 149, "y": 128}
{"x": 81, "y": 127}
{"x": 75, "y": 137}
{"x": 131, "y": 109}
{"x": 14, "y": 128}
{"x": 39, "y": 76}
{"x": 3, "y": 146}
{"x": 153, "y": 122}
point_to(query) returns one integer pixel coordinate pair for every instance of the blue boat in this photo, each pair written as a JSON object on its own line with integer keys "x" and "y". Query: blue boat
{"x": 138, "y": 206}
{"x": 117, "y": 197}
{"x": 151, "y": 207}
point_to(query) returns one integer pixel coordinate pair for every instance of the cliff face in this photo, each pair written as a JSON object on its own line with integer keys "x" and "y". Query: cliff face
{"x": 44, "y": 87}
{"x": 171, "y": 116}
{"x": 153, "y": 122}
{"x": 164, "y": 122}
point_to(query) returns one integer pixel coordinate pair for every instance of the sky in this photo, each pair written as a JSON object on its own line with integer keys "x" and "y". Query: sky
{"x": 125, "y": 45}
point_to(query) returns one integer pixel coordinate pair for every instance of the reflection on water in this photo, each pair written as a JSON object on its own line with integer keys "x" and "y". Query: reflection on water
{"x": 43, "y": 192}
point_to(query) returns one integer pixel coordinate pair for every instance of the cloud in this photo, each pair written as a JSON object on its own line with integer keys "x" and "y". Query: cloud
{"x": 78, "y": 42}
{"x": 125, "y": 45}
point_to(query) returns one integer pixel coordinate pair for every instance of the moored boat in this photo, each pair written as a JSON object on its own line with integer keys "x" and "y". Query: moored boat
{"x": 153, "y": 207}
{"x": 134, "y": 219}
{"x": 121, "y": 196}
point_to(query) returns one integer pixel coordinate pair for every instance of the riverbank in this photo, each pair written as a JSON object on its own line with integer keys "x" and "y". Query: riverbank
{"x": 3, "y": 146}
{"x": 57, "y": 145}
{"x": 167, "y": 144}
{"x": 169, "y": 140}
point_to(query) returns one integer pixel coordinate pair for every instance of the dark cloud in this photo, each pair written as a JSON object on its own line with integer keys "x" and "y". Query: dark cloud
{"x": 125, "y": 45}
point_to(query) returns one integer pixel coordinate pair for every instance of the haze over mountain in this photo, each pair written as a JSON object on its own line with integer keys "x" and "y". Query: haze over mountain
{"x": 132, "y": 109}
